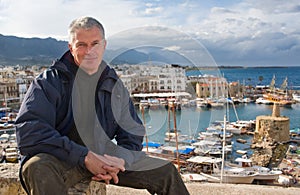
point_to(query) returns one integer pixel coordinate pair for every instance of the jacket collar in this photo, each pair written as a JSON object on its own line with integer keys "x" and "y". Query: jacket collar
{"x": 67, "y": 66}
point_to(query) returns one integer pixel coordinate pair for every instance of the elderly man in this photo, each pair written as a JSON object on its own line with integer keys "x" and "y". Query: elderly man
{"x": 69, "y": 116}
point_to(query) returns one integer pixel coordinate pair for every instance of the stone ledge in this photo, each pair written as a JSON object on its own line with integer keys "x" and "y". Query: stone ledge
{"x": 9, "y": 186}
{"x": 10, "y": 183}
{"x": 91, "y": 188}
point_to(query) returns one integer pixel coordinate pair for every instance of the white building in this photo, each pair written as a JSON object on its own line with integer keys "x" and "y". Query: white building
{"x": 149, "y": 79}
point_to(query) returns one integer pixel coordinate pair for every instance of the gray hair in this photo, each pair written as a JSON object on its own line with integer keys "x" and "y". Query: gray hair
{"x": 86, "y": 23}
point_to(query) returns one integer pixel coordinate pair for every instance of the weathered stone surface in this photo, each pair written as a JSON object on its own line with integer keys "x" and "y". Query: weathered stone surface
{"x": 88, "y": 188}
{"x": 270, "y": 128}
{"x": 10, "y": 183}
{"x": 276, "y": 111}
{"x": 270, "y": 139}
{"x": 9, "y": 186}
{"x": 269, "y": 155}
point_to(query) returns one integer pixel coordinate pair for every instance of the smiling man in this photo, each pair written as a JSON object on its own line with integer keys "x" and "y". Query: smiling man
{"x": 69, "y": 116}
{"x": 87, "y": 46}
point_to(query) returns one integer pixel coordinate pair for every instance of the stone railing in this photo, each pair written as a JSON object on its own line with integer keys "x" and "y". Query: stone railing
{"x": 10, "y": 183}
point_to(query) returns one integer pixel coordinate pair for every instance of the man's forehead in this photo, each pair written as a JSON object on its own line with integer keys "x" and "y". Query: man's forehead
{"x": 91, "y": 34}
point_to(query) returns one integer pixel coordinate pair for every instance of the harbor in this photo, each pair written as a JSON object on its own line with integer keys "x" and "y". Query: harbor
{"x": 197, "y": 164}
{"x": 189, "y": 130}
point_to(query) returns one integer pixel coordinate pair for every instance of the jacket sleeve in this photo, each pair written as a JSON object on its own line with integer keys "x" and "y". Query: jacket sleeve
{"x": 36, "y": 122}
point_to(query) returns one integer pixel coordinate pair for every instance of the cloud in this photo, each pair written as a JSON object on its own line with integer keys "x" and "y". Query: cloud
{"x": 252, "y": 32}
{"x": 172, "y": 48}
{"x": 234, "y": 31}
{"x": 152, "y": 10}
{"x": 148, "y": 11}
{"x": 275, "y": 6}
{"x": 221, "y": 10}
{"x": 33, "y": 18}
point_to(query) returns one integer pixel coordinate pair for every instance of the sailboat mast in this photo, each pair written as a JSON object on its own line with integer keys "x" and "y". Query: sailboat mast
{"x": 144, "y": 122}
{"x": 176, "y": 136}
{"x": 236, "y": 115}
{"x": 223, "y": 149}
{"x": 169, "y": 122}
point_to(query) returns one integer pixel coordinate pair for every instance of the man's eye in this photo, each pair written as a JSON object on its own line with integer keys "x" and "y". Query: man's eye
{"x": 80, "y": 45}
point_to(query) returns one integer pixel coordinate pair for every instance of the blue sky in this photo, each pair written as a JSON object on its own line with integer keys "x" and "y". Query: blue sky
{"x": 245, "y": 32}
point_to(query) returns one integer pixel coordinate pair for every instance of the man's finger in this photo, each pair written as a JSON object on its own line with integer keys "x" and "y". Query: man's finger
{"x": 101, "y": 177}
{"x": 116, "y": 162}
{"x": 111, "y": 169}
{"x": 115, "y": 177}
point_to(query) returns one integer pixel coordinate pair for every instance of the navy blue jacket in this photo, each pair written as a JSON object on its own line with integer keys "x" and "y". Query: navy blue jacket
{"x": 45, "y": 119}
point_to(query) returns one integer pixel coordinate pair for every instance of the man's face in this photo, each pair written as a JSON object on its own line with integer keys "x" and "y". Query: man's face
{"x": 87, "y": 47}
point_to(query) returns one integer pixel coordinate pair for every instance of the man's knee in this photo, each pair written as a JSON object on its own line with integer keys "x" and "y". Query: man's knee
{"x": 39, "y": 166}
{"x": 44, "y": 172}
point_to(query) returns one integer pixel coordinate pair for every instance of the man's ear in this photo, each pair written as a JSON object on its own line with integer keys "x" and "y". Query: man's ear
{"x": 70, "y": 47}
{"x": 104, "y": 44}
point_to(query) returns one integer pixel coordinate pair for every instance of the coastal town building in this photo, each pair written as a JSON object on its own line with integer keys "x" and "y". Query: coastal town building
{"x": 152, "y": 79}
{"x": 14, "y": 82}
{"x": 138, "y": 79}
{"x": 209, "y": 86}
{"x": 142, "y": 82}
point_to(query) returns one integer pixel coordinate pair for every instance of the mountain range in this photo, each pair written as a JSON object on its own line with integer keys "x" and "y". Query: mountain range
{"x": 29, "y": 51}
{"x": 37, "y": 51}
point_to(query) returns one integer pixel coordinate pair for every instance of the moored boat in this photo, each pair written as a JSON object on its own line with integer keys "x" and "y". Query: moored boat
{"x": 296, "y": 97}
{"x": 193, "y": 177}
{"x": 240, "y": 140}
{"x": 280, "y": 95}
{"x": 202, "y": 103}
{"x": 280, "y": 99}
{"x": 210, "y": 168}
{"x": 144, "y": 104}
{"x": 264, "y": 174}
{"x": 241, "y": 152}
{"x": 235, "y": 177}
{"x": 262, "y": 100}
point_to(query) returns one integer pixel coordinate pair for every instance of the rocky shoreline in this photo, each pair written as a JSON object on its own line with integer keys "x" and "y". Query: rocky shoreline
{"x": 9, "y": 181}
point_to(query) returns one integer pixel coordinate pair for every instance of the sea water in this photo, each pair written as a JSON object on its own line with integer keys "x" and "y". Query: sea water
{"x": 252, "y": 75}
{"x": 192, "y": 120}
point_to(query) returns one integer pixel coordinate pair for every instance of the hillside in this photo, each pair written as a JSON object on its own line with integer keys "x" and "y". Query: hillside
{"x": 37, "y": 51}
{"x": 29, "y": 51}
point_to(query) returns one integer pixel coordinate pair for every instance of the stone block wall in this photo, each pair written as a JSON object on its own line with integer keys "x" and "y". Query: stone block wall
{"x": 11, "y": 186}
{"x": 271, "y": 136}
{"x": 269, "y": 128}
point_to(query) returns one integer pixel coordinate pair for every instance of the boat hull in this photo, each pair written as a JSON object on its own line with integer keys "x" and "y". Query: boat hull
{"x": 233, "y": 179}
{"x": 271, "y": 176}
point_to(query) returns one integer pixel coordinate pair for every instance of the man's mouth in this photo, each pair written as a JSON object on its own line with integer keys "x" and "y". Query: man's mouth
{"x": 90, "y": 58}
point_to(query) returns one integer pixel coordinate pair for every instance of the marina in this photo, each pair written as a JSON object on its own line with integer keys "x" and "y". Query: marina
{"x": 211, "y": 143}
{"x": 192, "y": 120}
{"x": 184, "y": 130}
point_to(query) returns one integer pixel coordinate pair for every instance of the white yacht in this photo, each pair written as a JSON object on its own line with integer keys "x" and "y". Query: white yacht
{"x": 296, "y": 97}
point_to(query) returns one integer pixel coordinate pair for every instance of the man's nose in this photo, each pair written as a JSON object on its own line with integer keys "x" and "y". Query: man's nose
{"x": 89, "y": 48}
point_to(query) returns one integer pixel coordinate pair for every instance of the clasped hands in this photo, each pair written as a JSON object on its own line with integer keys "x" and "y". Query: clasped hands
{"x": 104, "y": 167}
